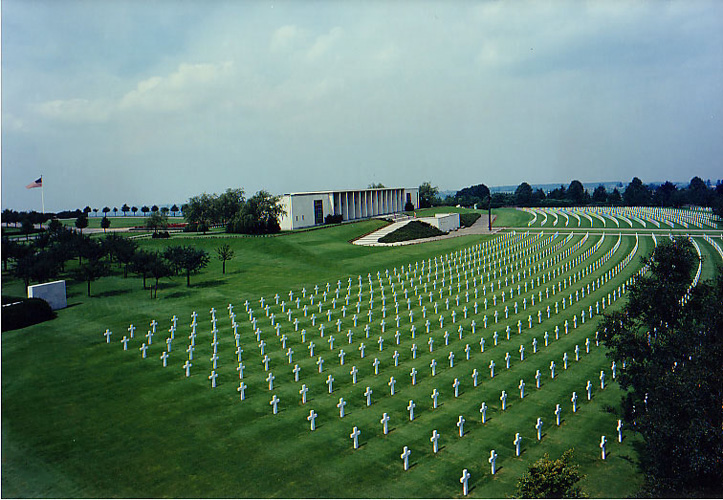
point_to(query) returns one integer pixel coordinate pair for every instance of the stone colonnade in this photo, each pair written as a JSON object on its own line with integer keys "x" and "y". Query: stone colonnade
{"x": 368, "y": 203}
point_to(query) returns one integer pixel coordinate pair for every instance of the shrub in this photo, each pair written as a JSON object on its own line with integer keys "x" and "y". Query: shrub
{"x": 191, "y": 227}
{"x": 161, "y": 234}
{"x": 411, "y": 231}
{"x": 466, "y": 220}
{"x": 25, "y": 313}
{"x": 333, "y": 219}
{"x": 409, "y": 207}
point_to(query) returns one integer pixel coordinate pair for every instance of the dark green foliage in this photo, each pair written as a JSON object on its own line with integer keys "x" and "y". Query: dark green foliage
{"x": 411, "y": 231}
{"x": 157, "y": 220}
{"x": 409, "y": 207}
{"x": 25, "y": 313}
{"x": 81, "y": 222}
{"x": 637, "y": 193}
{"x": 428, "y": 195}
{"x": 551, "y": 479}
{"x": 466, "y": 220}
{"x": 576, "y": 193}
{"x": 105, "y": 223}
{"x": 188, "y": 259}
{"x": 673, "y": 355}
{"x": 224, "y": 253}
{"x": 333, "y": 219}
{"x": 523, "y": 195}
{"x": 259, "y": 215}
{"x": 472, "y": 195}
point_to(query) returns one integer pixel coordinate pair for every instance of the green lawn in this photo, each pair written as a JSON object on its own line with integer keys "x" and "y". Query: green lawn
{"x": 116, "y": 222}
{"x": 83, "y": 418}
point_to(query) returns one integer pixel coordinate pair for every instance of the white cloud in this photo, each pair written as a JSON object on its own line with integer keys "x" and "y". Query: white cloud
{"x": 74, "y": 110}
{"x": 190, "y": 85}
{"x": 285, "y": 37}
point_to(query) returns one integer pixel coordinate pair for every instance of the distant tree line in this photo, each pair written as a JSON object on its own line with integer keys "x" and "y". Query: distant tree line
{"x": 697, "y": 193}
{"x": 257, "y": 215}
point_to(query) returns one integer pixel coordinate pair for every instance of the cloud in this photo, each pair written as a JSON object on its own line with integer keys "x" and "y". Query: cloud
{"x": 189, "y": 86}
{"x": 74, "y": 110}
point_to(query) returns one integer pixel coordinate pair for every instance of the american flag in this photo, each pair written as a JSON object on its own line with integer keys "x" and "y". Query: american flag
{"x": 37, "y": 183}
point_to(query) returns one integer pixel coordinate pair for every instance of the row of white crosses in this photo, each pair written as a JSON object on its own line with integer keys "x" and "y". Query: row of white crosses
{"x": 320, "y": 361}
{"x": 642, "y": 215}
{"x": 212, "y": 377}
{"x": 275, "y": 401}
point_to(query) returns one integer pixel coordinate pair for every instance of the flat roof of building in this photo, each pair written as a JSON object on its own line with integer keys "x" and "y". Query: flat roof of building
{"x": 346, "y": 190}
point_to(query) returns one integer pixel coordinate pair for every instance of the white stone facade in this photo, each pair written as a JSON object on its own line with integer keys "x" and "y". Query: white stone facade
{"x": 310, "y": 208}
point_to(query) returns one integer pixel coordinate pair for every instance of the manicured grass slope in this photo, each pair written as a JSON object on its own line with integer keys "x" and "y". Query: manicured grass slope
{"x": 83, "y": 418}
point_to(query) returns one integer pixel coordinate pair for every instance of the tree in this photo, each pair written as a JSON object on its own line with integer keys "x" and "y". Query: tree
{"x": 191, "y": 260}
{"x": 105, "y": 211}
{"x": 157, "y": 221}
{"x": 260, "y": 215}
{"x": 141, "y": 264}
{"x": 698, "y": 193}
{"x": 123, "y": 249}
{"x": 158, "y": 268}
{"x": 105, "y": 223}
{"x": 376, "y": 186}
{"x": 637, "y": 193}
{"x": 201, "y": 209}
{"x": 472, "y": 195}
{"x": 134, "y": 210}
{"x": 95, "y": 210}
{"x": 125, "y": 208}
{"x": 93, "y": 267}
{"x": 27, "y": 227}
{"x": 115, "y": 211}
{"x": 523, "y": 195}
{"x": 600, "y": 195}
{"x": 164, "y": 211}
{"x": 154, "y": 208}
{"x": 614, "y": 198}
{"x": 547, "y": 478}
{"x": 665, "y": 195}
{"x": 224, "y": 252}
{"x": 174, "y": 209}
{"x": 145, "y": 210}
{"x": 428, "y": 195}
{"x": 672, "y": 351}
{"x": 81, "y": 222}
{"x": 576, "y": 193}
{"x": 87, "y": 210}
{"x": 228, "y": 205}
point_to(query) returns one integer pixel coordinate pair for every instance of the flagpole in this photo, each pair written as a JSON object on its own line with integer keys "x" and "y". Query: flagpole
{"x": 42, "y": 192}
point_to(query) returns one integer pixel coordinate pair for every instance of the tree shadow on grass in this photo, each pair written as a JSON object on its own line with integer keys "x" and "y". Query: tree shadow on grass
{"x": 209, "y": 283}
{"x": 178, "y": 294}
{"x": 110, "y": 293}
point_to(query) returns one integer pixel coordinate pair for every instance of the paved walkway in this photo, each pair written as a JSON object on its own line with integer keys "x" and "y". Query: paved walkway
{"x": 372, "y": 239}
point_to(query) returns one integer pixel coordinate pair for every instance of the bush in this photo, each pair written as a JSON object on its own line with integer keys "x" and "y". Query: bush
{"x": 466, "y": 220}
{"x": 161, "y": 234}
{"x": 409, "y": 207}
{"x": 333, "y": 219}
{"x": 25, "y": 313}
{"x": 411, "y": 231}
{"x": 191, "y": 227}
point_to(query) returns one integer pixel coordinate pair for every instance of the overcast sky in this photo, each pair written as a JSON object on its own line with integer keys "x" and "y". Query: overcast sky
{"x": 155, "y": 101}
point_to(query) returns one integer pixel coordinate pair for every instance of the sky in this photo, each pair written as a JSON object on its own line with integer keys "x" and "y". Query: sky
{"x": 152, "y": 102}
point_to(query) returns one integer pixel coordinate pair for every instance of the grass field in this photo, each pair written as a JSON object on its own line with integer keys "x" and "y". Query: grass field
{"x": 83, "y": 418}
{"x": 116, "y": 222}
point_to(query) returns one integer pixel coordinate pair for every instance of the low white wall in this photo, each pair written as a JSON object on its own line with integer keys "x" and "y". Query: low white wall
{"x": 53, "y": 293}
{"x": 443, "y": 222}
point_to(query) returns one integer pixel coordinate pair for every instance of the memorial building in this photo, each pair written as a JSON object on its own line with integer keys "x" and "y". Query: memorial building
{"x": 311, "y": 208}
